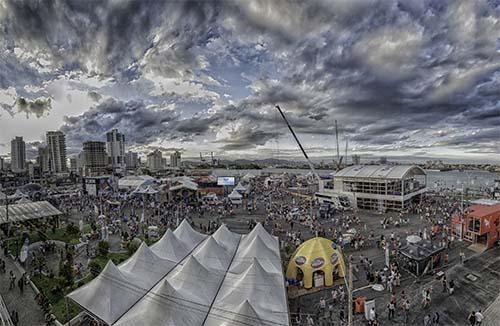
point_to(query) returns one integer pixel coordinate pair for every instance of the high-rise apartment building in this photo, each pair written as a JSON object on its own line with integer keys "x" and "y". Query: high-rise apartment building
{"x": 95, "y": 158}
{"x": 43, "y": 159}
{"x": 155, "y": 160}
{"x": 18, "y": 155}
{"x": 356, "y": 160}
{"x": 56, "y": 146}
{"x": 132, "y": 160}
{"x": 175, "y": 159}
{"x": 115, "y": 147}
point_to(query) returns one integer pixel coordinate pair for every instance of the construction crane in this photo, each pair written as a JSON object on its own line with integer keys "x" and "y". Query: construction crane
{"x": 212, "y": 160}
{"x": 311, "y": 165}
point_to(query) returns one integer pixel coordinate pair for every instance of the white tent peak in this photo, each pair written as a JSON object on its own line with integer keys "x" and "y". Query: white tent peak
{"x": 193, "y": 267}
{"x": 170, "y": 247}
{"x": 246, "y": 310}
{"x": 240, "y": 187}
{"x": 212, "y": 255}
{"x": 142, "y": 255}
{"x": 235, "y": 195}
{"x": 257, "y": 248}
{"x": 185, "y": 233}
{"x": 167, "y": 289}
{"x": 225, "y": 237}
{"x": 255, "y": 272}
{"x": 244, "y": 314}
{"x": 111, "y": 270}
{"x": 211, "y": 246}
{"x": 260, "y": 231}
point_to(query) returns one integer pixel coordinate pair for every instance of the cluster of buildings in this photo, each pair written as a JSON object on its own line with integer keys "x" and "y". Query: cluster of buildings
{"x": 96, "y": 158}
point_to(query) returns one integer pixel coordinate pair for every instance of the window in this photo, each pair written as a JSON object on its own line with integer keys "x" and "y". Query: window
{"x": 474, "y": 225}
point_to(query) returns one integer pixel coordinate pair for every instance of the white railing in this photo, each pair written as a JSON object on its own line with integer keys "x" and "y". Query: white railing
{"x": 4, "y": 314}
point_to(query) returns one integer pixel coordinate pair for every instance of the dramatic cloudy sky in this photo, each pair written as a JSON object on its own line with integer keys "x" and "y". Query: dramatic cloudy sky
{"x": 414, "y": 78}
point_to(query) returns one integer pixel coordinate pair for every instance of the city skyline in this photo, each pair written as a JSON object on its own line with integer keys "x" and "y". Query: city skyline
{"x": 403, "y": 79}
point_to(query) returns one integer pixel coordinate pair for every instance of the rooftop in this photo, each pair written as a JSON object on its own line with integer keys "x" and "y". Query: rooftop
{"x": 28, "y": 211}
{"x": 480, "y": 210}
{"x": 380, "y": 171}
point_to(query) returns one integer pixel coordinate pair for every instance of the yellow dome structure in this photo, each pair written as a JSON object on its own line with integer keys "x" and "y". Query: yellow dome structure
{"x": 316, "y": 258}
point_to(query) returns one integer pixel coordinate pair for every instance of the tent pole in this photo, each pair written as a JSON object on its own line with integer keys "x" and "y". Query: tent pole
{"x": 349, "y": 300}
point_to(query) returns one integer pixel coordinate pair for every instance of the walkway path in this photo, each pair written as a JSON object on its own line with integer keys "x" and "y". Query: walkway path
{"x": 28, "y": 309}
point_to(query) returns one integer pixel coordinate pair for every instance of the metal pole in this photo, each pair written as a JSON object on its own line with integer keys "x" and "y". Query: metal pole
{"x": 349, "y": 299}
{"x": 7, "y": 216}
{"x": 337, "y": 141}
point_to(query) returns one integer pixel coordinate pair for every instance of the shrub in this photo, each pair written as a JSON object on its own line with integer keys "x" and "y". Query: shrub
{"x": 103, "y": 248}
{"x": 72, "y": 229}
{"x": 132, "y": 247}
{"x": 94, "y": 267}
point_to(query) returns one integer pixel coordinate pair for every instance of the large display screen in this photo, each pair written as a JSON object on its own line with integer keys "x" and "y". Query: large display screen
{"x": 225, "y": 181}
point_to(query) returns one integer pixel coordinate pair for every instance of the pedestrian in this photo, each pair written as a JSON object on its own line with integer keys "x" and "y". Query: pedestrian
{"x": 479, "y": 318}
{"x": 427, "y": 320}
{"x": 310, "y": 321}
{"x": 330, "y": 311}
{"x": 472, "y": 318}
{"x": 445, "y": 285}
{"x": 435, "y": 319}
{"x": 20, "y": 283}
{"x": 391, "y": 308}
{"x": 12, "y": 277}
{"x": 322, "y": 305}
{"x": 406, "y": 309}
{"x": 451, "y": 287}
{"x": 373, "y": 314}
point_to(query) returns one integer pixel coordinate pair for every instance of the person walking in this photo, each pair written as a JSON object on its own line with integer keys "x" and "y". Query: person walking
{"x": 373, "y": 314}
{"x": 472, "y": 318}
{"x": 391, "y": 310}
{"x": 445, "y": 284}
{"x": 451, "y": 287}
{"x": 406, "y": 310}
{"x": 12, "y": 277}
{"x": 435, "y": 319}
{"x": 427, "y": 320}
{"x": 479, "y": 318}
{"x": 20, "y": 284}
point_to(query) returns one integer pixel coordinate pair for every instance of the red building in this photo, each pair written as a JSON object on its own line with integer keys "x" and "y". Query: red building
{"x": 481, "y": 224}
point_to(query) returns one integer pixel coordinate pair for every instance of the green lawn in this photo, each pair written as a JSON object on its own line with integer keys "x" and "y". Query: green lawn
{"x": 15, "y": 244}
{"x": 63, "y": 310}
{"x": 56, "y": 298}
{"x": 61, "y": 235}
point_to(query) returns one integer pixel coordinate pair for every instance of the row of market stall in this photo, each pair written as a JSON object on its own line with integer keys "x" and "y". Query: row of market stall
{"x": 188, "y": 278}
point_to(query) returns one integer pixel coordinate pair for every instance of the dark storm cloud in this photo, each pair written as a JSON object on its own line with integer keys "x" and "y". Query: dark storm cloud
{"x": 246, "y": 137}
{"x": 37, "y": 107}
{"x": 114, "y": 35}
{"x": 387, "y": 70}
{"x": 141, "y": 124}
{"x": 96, "y": 97}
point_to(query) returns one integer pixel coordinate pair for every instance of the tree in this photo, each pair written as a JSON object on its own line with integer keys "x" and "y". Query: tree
{"x": 94, "y": 267}
{"x": 39, "y": 263}
{"x": 132, "y": 247}
{"x": 72, "y": 229}
{"x": 66, "y": 272}
{"x": 103, "y": 248}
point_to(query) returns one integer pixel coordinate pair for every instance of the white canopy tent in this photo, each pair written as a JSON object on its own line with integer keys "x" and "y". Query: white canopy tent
{"x": 200, "y": 289}
{"x": 170, "y": 247}
{"x": 240, "y": 188}
{"x": 235, "y": 197}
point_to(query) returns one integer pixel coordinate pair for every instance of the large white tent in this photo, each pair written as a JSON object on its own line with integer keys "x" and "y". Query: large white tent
{"x": 190, "y": 279}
